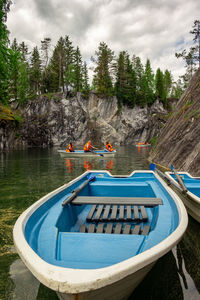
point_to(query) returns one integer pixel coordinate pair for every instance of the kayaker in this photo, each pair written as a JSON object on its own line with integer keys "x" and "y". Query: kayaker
{"x": 88, "y": 147}
{"x": 70, "y": 148}
{"x": 109, "y": 147}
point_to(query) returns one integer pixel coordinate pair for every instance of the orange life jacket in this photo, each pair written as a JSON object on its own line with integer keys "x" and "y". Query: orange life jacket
{"x": 87, "y": 146}
{"x": 70, "y": 148}
{"x": 109, "y": 147}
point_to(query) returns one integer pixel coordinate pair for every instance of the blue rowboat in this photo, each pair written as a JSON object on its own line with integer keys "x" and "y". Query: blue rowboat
{"x": 98, "y": 236}
{"x": 190, "y": 186}
{"x": 81, "y": 153}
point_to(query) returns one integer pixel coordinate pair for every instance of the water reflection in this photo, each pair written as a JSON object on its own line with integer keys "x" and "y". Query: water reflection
{"x": 87, "y": 165}
{"x": 69, "y": 165}
{"x": 25, "y": 176}
{"x": 109, "y": 165}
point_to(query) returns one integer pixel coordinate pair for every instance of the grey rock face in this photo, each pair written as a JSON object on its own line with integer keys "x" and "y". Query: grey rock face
{"x": 50, "y": 123}
{"x": 178, "y": 143}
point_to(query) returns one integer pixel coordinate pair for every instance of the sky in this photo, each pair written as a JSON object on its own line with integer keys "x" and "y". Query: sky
{"x": 153, "y": 29}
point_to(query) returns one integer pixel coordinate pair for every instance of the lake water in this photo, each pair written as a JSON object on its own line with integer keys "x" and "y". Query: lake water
{"x": 27, "y": 175}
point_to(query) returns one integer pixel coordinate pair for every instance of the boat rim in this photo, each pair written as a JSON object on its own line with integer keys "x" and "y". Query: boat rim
{"x": 190, "y": 194}
{"x": 68, "y": 280}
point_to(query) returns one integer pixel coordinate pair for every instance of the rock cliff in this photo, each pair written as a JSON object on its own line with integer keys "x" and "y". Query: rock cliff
{"x": 56, "y": 123}
{"x": 179, "y": 143}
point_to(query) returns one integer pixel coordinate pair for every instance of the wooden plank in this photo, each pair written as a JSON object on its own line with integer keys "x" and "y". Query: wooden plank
{"x": 106, "y": 213}
{"x": 98, "y": 213}
{"x": 121, "y": 213}
{"x": 143, "y": 213}
{"x": 149, "y": 202}
{"x": 118, "y": 229}
{"x": 114, "y": 213}
{"x": 127, "y": 229}
{"x": 128, "y": 213}
{"x": 109, "y": 228}
{"x": 91, "y": 228}
{"x": 136, "y": 213}
{"x": 136, "y": 229}
{"x": 83, "y": 228}
{"x": 145, "y": 230}
{"x": 91, "y": 212}
{"x": 100, "y": 228}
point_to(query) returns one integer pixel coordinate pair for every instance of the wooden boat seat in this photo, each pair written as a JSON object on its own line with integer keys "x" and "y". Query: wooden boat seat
{"x": 118, "y": 228}
{"x": 113, "y": 213}
{"x": 145, "y": 201}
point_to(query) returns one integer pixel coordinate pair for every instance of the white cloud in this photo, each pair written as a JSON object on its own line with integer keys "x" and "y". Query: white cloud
{"x": 154, "y": 29}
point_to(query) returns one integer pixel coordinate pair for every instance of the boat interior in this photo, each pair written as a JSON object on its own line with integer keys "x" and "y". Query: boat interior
{"x": 192, "y": 183}
{"x": 110, "y": 220}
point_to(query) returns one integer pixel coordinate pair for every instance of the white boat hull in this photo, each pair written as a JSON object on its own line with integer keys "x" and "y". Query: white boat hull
{"x": 145, "y": 145}
{"x": 120, "y": 290}
{"x": 192, "y": 202}
{"x": 63, "y": 153}
{"x": 113, "y": 282}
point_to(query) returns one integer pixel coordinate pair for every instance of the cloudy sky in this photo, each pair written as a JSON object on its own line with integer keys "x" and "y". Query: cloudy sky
{"x": 153, "y": 29}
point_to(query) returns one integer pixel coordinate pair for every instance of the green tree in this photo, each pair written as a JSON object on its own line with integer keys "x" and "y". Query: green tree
{"x": 85, "y": 81}
{"x": 4, "y": 51}
{"x": 23, "y": 49}
{"x": 35, "y": 71}
{"x": 192, "y": 57}
{"x": 149, "y": 83}
{"x": 159, "y": 84}
{"x": 45, "y": 47}
{"x": 177, "y": 89}
{"x": 196, "y": 39}
{"x": 139, "y": 72}
{"x": 102, "y": 73}
{"x": 125, "y": 85}
{"x": 57, "y": 67}
{"x": 14, "y": 70}
{"x": 168, "y": 80}
{"x": 23, "y": 83}
{"x": 78, "y": 79}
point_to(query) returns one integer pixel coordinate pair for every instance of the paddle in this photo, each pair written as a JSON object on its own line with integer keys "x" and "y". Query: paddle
{"x": 75, "y": 192}
{"x": 100, "y": 154}
{"x": 154, "y": 168}
{"x": 180, "y": 180}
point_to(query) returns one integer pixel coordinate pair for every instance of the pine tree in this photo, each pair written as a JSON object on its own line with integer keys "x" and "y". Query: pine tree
{"x": 102, "y": 72}
{"x": 14, "y": 69}
{"x": 23, "y": 83}
{"x": 192, "y": 57}
{"x": 78, "y": 80}
{"x": 35, "y": 71}
{"x": 139, "y": 72}
{"x": 149, "y": 83}
{"x": 196, "y": 39}
{"x": 120, "y": 79}
{"x": 45, "y": 47}
{"x": 167, "y": 83}
{"x": 159, "y": 83}
{"x": 85, "y": 84}
{"x": 4, "y": 51}
{"x": 57, "y": 67}
{"x": 125, "y": 85}
{"x": 69, "y": 63}
{"x": 23, "y": 49}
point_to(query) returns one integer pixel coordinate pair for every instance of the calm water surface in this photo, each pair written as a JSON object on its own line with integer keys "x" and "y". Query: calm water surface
{"x": 27, "y": 175}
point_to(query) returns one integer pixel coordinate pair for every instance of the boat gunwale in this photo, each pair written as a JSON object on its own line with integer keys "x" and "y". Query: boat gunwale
{"x": 192, "y": 196}
{"x": 67, "y": 280}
